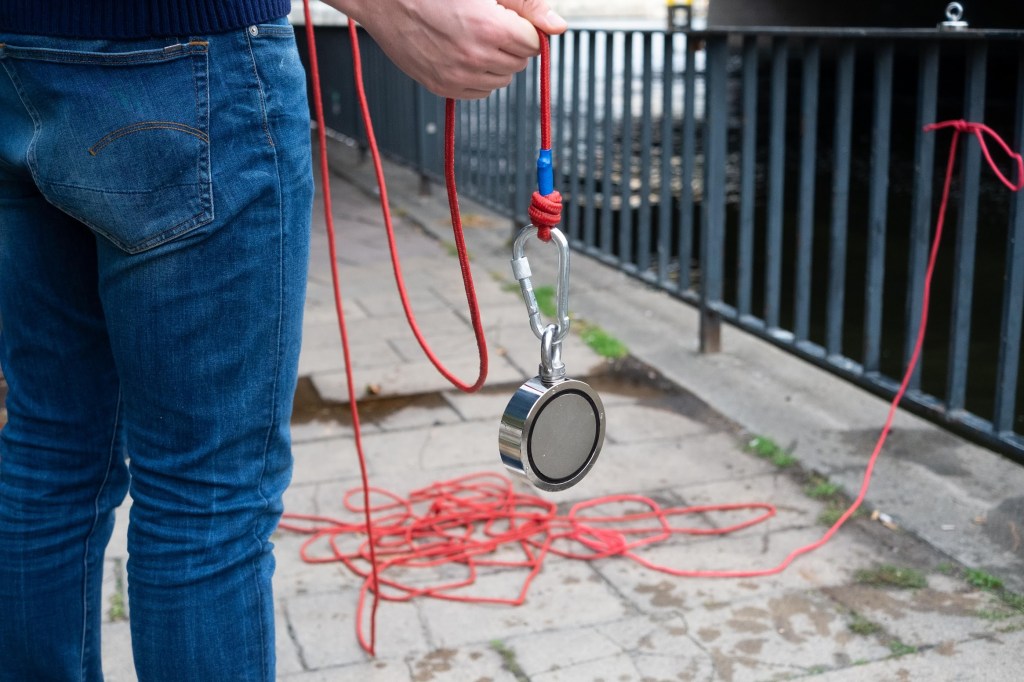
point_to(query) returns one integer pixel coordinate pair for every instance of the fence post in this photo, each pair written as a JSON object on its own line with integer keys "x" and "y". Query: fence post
{"x": 713, "y": 203}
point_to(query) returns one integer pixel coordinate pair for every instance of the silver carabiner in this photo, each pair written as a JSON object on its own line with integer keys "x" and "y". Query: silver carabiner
{"x": 521, "y": 271}
{"x": 552, "y": 369}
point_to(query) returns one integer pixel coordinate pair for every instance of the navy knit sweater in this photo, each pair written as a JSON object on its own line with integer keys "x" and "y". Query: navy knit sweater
{"x": 134, "y": 18}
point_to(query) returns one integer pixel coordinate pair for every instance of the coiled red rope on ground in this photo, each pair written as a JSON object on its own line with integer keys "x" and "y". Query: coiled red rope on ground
{"x": 474, "y": 520}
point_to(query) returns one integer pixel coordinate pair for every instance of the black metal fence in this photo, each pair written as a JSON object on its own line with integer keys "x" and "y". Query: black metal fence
{"x": 778, "y": 179}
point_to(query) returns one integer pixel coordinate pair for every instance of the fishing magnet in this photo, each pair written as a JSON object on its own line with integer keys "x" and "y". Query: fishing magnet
{"x": 553, "y": 427}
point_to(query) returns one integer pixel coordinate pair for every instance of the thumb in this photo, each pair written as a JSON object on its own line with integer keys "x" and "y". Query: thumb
{"x": 538, "y": 13}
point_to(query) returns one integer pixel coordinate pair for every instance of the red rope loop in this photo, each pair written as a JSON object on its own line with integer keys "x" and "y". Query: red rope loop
{"x": 545, "y": 212}
{"x": 980, "y": 131}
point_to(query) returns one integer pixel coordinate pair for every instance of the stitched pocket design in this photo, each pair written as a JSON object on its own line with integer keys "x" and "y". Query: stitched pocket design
{"x": 122, "y": 144}
{"x": 147, "y": 125}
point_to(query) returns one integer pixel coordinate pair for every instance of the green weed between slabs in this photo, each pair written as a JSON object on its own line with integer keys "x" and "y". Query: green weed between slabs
{"x": 601, "y": 342}
{"x": 118, "y": 609}
{"x": 509, "y": 661}
{"x": 898, "y": 648}
{"x": 766, "y": 448}
{"x": 989, "y": 583}
{"x": 820, "y": 488}
{"x": 836, "y": 508}
{"x": 859, "y": 625}
{"x": 982, "y": 580}
{"x": 887, "y": 575}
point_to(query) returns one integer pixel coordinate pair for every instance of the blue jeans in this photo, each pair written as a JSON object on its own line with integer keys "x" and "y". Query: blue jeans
{"x": 155, "y": 203}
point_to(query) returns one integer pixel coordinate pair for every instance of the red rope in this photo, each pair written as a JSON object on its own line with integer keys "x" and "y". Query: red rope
{"x": 979, "y": 130}
{"x": 339, "y": 308}
{"x": 460, "y": 241}
{"x": 471, "y": 521}
{"x": 545, "y": 210}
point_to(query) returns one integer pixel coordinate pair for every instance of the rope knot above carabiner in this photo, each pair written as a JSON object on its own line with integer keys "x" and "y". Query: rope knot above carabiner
{"x": 545, "y": 212}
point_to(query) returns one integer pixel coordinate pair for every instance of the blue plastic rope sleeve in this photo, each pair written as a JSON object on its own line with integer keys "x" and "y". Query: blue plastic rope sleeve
{"x": 545, "y": 173}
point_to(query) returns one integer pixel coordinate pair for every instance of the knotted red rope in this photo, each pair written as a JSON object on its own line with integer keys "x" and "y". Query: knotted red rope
{"x": 979, "y": 130}
{"x": 545, "y": 212}
{"x": 545, "y": 209}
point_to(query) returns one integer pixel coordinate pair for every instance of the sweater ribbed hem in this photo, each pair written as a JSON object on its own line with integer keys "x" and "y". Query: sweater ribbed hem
{"x": 134, "y": 19}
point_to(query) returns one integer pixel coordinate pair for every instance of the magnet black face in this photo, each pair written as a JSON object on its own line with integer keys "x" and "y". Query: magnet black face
{"x": 564, "y": 436}
{"x": 552, "y": 434}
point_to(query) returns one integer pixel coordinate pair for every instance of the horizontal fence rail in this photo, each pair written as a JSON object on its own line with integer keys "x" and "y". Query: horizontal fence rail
{"x": 777, "y": 179}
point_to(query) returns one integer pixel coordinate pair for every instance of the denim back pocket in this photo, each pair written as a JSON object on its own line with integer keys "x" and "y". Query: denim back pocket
{"x": 121, "y": 138}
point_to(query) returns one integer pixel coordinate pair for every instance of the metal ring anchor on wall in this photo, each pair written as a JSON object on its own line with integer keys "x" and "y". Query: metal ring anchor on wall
{"x": 553, "y": 427}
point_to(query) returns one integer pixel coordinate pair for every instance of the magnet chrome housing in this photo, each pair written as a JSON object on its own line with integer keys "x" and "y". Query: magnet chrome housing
{"x": 552, "y": 433}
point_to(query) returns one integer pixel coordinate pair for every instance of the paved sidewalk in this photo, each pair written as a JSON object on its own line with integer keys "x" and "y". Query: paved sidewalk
{"x": 678, "y": 435}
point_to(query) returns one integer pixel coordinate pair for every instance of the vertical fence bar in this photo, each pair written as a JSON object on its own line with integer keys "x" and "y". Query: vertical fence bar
{"x": 878, "y": 205}
{"x": 921, "y": 207}
{"x": 713, "y": 225}
{"x": 967, "y": 227}
{"x": 607, "y": 144}
{"x": 423, "y": 123}
{"x": 496, "y": 136}
{"x": 571, "y": 172}
{"x": 626, "y": 161}
{"x": 558, "y": 100}
{"x": 666, "y": 147}
{"x": 776, "y": 183}
{"x": 479, "y": 143}
{"x": 689, "y": 155}
{"x": 748, "y": 176}
{"x": 840, "y": 199}
{"x": 643, "y": 226}
{"x": 511, "y": 197}
{"x": 1007, "y": 366}
{"x": 808, "y": 165}
{"x": 523, "y": 159}
{"x": 590, "y": 164}
{"x": 493, "y": 148}
{"x": 461, "y": 138}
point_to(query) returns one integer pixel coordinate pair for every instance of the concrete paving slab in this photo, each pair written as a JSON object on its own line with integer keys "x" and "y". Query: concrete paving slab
{"x": 116, "y": 647}
{"x": 798, "y": 632}
{"x": 564, "y": 594}
{"x": 410, "y": 378}
{"x": 326, "y": 460}
{"x": 323, "y": 626}
{"x": 978, "y": 660}
{"x": 655, "y": 593}
{"x": 945, "y": 611}
{"x": 617, "y": 667}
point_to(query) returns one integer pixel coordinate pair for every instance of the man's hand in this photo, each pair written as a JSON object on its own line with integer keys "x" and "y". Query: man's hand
{"x": 456, "y": 48}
